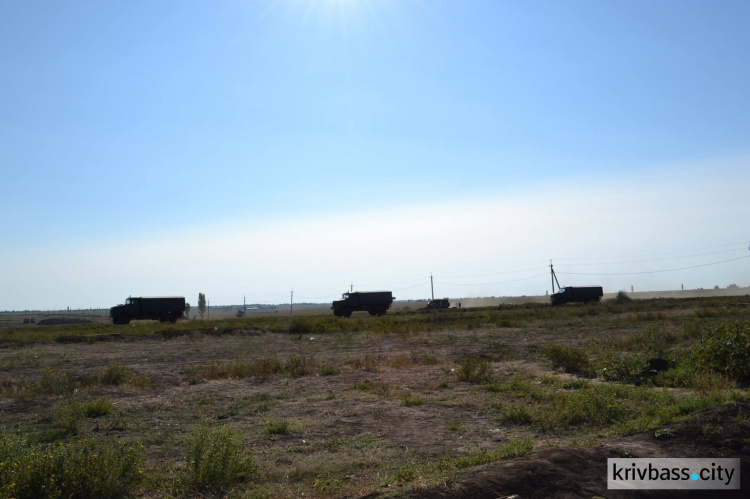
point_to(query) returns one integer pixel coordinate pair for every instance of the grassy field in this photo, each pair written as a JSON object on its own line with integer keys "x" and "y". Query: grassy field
{"x": 413, "y": 402}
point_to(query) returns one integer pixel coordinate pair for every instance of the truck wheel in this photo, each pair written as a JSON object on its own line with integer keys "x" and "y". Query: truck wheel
{"x": 373, "y": 312}
{"x": 173, "y": 318}
{"x": 346, "y": 312}
{"x": 123, "y": 319}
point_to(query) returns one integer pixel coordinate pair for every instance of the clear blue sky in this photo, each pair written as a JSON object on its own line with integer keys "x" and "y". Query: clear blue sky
{"x": 128, "y": 126}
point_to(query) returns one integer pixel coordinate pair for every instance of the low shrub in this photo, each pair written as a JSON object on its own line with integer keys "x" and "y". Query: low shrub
{"x": 263, "y": 368}
{"x": 97, "y": 408}
{"x": 301, "y": 325}
{"x": 687, "y": 376}
{"x": 69, "y": 416}
{"x": 216, "y": 459}
{"x": 622, "y": 297}
{"x": 79, "y": 468}
{"x": 596, "y": 406}
{"x": 428, "y": 360}
{"x": 515, "y": 413}
{"x": 299, "y": 365}
{"x": 475, "y": 370}
{"x": 571, "y": 359}
{"x": 117, "y": 374}
{"x": 408, "y": 399}
{"x": 631, "y": 369}
{"x": 55, "y": 383}
{"x": 328, "y": 369}
{"x": 281, "y": 427}
{"x": 376, "y": 387}
{"x": 725, "y": 348}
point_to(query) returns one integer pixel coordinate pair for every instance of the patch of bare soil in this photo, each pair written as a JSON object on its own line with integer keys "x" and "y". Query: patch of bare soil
{"x": 582, "y": 472}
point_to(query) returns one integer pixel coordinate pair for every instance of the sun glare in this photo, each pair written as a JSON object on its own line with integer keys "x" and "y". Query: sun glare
{"x": 344, "y": 14}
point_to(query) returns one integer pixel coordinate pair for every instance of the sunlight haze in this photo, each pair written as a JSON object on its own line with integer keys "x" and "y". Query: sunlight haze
{"x": 251, "y": 148}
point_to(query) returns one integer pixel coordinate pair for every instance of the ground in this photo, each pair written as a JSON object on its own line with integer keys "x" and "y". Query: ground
{"x": 377, "y": 407}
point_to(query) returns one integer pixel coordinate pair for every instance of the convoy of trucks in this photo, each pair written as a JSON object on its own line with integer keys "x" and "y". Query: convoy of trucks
{"x": 373, "y": 302}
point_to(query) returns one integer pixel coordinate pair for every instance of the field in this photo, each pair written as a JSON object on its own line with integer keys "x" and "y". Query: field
{"x": 480, "y": 402}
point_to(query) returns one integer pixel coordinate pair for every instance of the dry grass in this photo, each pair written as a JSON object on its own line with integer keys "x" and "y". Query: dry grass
{"x": 404, "y": 401}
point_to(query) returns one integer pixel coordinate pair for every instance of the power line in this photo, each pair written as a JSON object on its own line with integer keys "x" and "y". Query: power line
{"x": 410, "y": 287}
{"x": 656, "y": 271}
{"x": 651, "y": 259}
{"x": 317, "y": 297}
{"x": 524, "y": 268}
{"x": 335, "y": 296}
{"x": 408, "y": 279}
{"x": 490, "y": 283}
{"x": 653, "y": 254}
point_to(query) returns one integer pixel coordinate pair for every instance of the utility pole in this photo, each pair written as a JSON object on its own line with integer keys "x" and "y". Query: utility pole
{"x": 554, "y": 277}
{"x": 432, "y": 289}
{"x": 244, "y": 307}
{"x": 208, "y": 310}
{"x": 351, "y": 287}
{"x": 291, "y": 305}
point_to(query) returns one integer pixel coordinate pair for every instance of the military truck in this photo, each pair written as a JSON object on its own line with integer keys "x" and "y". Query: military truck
{"x": 374, "y": 302}
{"x": 438, "y": 304}
{"x": 578, "y": 294}
{"x": 164, "y": 308}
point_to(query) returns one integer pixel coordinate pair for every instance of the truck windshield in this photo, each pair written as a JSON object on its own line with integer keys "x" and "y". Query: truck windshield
{"x": 345, "y": 296}
{"x": 127, "y": 301}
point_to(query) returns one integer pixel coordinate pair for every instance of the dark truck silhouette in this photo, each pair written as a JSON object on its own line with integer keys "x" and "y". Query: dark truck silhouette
{"x": 578, "y": 294}
{"x": 439, "y": 304}
{"x": 165, "y": 308}
{"x": 374, "y": 302}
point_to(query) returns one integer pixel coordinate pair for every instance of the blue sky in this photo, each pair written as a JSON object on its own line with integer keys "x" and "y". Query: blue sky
{"x": 199, "y": 144}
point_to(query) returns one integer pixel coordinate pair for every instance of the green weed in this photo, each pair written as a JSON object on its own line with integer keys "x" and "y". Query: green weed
{"x": 216, "y": 459}
{"x": 570, "y": 359}
{"x": 117, "y": 374}
{"x": 408, "y": 399}
{"x": 55, "y": 383}
{"x": 511, "y": 450}
{"x": 725, "y": 348}
{"x": 631, "y": 369}
{"x": 78, "y": 468}
{"x": 515, "y": 413}
{"x": 377, "y": 387}
{"x": 474, "y": 370}
{"x": 281, "y": 427}
{"x": 97, "y": 408}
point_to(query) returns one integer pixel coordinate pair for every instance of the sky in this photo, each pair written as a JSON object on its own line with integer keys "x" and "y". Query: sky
{"x": 251, "y": 148}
